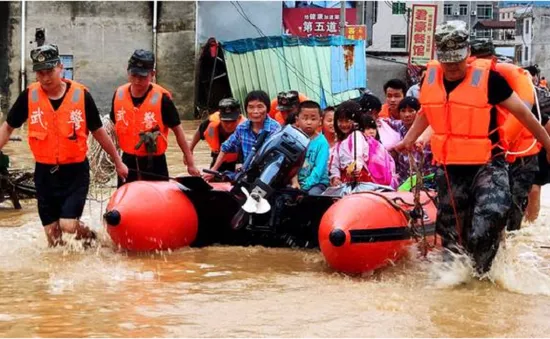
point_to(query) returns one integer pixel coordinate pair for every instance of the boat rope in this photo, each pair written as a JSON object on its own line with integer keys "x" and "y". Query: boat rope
{"x": 102, "y": 169}
{"x": 417, "y": 214}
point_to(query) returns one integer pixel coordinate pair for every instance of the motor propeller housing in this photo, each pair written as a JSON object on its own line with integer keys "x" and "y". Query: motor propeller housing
{"x": 277, "y": 160}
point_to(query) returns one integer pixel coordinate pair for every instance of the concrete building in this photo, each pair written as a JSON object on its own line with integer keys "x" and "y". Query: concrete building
{"x": 507, "y": 13}
{"x": 390, "y": 26}
{"x": 503, "y": 33}
{"x": 95, "y": 40}
{"x": 470, "y": 11}
{"x": 526, "y": 35}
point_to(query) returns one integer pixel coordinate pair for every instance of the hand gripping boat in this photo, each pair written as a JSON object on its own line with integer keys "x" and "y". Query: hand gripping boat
{"x": 256, "y": 207}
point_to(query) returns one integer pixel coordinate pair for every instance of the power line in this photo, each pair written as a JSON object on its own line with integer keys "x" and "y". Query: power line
{"x": 278, "y": 53}
{"x": 282, "y": 57}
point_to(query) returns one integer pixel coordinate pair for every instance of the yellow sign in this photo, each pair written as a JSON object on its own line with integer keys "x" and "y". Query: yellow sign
{"x": 355, "y": 32}
{"x": 422, "y": 34}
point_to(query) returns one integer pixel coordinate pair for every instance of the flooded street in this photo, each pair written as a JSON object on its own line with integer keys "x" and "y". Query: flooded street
{"x": 242, "y": 292}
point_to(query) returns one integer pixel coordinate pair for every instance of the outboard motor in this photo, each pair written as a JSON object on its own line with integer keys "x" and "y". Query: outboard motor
{"x": 277, "y": 160}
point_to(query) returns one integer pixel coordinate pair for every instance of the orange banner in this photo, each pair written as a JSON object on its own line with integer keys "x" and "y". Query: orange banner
{"x": 422, "y": 30}
{"x": 355, "y": 32}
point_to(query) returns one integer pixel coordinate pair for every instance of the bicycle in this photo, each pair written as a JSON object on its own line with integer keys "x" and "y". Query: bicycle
{"x": 15, "y": 185}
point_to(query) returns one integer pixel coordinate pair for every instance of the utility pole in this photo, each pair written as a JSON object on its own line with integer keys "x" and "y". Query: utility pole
{"x": 342, "y": 17}
{"x": 360, "y": 12}
{"x": 369, "y": 18}
{"x": 409, "y": 30}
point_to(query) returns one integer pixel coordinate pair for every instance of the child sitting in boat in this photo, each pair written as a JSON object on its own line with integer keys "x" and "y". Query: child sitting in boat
{"x": 358, "y": 156}
{"x": 371, "y": 105}
{"x": 408, "y": 108}
{"x": 380, "y": 164}
{"x": 313, "y": 176}
{"x": 328, "y": 125}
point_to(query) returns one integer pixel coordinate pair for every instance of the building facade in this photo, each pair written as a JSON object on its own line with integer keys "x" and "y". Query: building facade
{"x": 470, "y": 11}
{"x": 391, "y": 25}
{"x": 95, "y": 40}
{"x": 524, "y": 35}
{"x": 507, "y": 13}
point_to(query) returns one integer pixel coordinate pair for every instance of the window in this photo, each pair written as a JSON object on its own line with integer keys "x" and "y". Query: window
{"x": 527, "y": 27}
{"x": 518, "y": 54}
{"x": 398, "y": 8}
{"x": 519, "y": 27}
{"x": 484, "y": 11}
{"x": 375, "y": 12}
{"x": 483, "y": 33}
{"x": 507, "y": 35}
{"x": 448, "y": 9}
{"x": 68, "y": 70}
{"x": 526, "y": 56}
{"x": 463, "y": 9}
{"x": 397, "y": 41}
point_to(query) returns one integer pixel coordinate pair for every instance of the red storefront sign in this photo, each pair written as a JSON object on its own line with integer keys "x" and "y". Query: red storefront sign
{"x": 422, "y": 34}
{"x": 306, "y": 22}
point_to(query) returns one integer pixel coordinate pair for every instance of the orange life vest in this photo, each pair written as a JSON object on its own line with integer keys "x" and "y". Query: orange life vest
{"x": 212, "y": 136}
{"x": 58, "y": 137}
{"x": 518, "y": 137}
{"x": 460, "y": 120}
{"x": 274, "y": 112}
{"x": 543, "y": 83}
{"x": 385, "y": 112}
{"x": 130, "y": 121}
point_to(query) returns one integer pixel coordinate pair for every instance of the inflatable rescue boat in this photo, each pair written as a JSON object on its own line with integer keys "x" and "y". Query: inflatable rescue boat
{"x": 357, "y": 230}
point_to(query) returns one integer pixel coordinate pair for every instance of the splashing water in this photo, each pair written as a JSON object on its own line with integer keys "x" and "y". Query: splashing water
{"x": 256, "y": 291}
{"x": 520, "y": 266}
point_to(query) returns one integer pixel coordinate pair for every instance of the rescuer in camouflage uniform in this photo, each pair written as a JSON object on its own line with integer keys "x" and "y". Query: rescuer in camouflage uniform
{"x": 477, "y": 193}
{"x": 524, "y": 168}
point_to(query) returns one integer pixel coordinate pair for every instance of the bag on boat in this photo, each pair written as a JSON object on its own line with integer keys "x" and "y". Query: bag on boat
{"x": 388, "y": 136}
{"x": 381, "y": 165}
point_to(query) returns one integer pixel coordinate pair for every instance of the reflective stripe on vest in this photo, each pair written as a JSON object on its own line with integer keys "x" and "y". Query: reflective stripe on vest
{"x": 131, "y": 121}
{"x": 460, "y": 119}
{"x": 57, "y": 137}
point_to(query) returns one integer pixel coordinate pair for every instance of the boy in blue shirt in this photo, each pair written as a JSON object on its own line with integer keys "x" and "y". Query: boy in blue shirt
{"x": 313, "y": 176}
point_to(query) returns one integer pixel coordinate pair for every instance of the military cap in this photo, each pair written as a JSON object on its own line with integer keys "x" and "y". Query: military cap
{"x": 45, "y": 57}
{"x": 482, "y": 48}
{"x": 141, "y": 62}
{"x": 286, "y": 100}
{"x": 451, "y": 41}
{"x": 229, "y": 109}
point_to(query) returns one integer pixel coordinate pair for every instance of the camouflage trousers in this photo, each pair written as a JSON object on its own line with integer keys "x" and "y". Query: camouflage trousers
{"x": 522, "y": 176}
{"x": 481, "y": 197}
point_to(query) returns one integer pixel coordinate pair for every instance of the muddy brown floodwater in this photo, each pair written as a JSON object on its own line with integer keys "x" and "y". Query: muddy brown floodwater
{"x": 240, "y": 292}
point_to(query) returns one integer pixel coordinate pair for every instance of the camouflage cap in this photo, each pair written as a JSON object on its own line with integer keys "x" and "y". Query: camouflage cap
{"x": 482, "y": 48}
{"x": 45, "y": 57}
{"x": 229, "y": 109}
{"x": 287, "y": 100}
{"x": 451, "y": 41}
